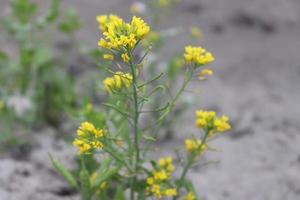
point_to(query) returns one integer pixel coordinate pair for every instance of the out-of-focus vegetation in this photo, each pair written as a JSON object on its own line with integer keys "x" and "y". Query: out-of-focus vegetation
{"x": 36, "y": 86}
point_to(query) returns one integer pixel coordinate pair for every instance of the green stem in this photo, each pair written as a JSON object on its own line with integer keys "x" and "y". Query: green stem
{"x": 190, "y": 162}
{"x": 135, "y": 122}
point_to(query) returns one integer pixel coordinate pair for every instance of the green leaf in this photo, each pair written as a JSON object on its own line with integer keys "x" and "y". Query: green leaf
{"x": 70, "y": 23}
{"x": 64, "y": 172}
{"x": 53, "y": 12}
{"x": 23, "y": 10}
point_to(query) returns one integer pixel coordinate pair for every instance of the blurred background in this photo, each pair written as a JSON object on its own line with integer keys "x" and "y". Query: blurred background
{"x": 256, "y": 82}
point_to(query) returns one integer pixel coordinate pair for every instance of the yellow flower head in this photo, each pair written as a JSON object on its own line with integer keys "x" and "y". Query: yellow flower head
{"x": 197, "y": 55}
{"x": 159, "y": 178}
{"x": 194, "y": 146}
{"x": 189, "y": 196}
{"x": 203, "y": 74}
{"x": 88, "y": 138}
{"x": 117, "y": 82}
{"x": 171, "y": 192}
{"x": 125, "y": 57}
{"x": 119, "y": 35}
{"x": 108, "y": 56}
{"x": 209, "y": 121}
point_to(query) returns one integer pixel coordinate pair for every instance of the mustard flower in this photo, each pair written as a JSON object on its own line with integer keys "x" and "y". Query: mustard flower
{"x": 203, "y": 74}
{"x": 119, "y": 34}
{"x": 88, "y": 138}
{"x": 209, "y": 121}
{"x": 157, "y": 183}
{"x": 125, "y": 57}
{"x": 194, "y": 146}
{"x": 117, "y": 82}
{"x": 170, "y": 192}
{"x": 189, "y": 196}
{"x": 197, "y": 55}
{"x": 108, "y": 56}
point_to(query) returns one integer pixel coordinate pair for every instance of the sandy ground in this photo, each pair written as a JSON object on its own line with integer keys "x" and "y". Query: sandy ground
{"x": 256, "y": 82}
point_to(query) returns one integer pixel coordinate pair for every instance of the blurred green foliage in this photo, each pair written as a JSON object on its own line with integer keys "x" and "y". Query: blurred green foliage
{"x": 36, "y": 86}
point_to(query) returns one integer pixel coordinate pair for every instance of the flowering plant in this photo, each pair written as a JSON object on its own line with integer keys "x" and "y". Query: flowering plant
{"x": 122, "y": 142}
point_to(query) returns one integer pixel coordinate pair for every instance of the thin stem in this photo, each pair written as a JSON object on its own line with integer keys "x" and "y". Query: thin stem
{"x": 135, "y": 121}
{"x": 190, "y": 162}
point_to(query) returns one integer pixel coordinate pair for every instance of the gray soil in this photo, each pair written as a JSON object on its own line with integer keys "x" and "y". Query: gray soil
{"x": 257, "y": 83}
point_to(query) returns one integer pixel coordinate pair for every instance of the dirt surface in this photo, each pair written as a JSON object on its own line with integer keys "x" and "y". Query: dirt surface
{"x": 257, "y": 83}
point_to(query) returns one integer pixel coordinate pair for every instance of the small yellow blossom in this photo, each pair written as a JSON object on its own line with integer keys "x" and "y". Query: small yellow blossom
{"x": 118, "y": 81}
{"x": 119, "y": 34}
{"x": 88, "y": 138}
{"x": 125, "y": 57}
{"x": 150, "y": 181}
{"x": 189, "y": 196}
{"x": 157, "y": 182}
{"x": 160, "y": 175}
{"x": 196, "y": 32}
{"x": 171, "y": 192}
{"x": 194, "y": 145}
{"x": 222, "y": 124}
{"x": 108, "y": 56}
{"x": 210, "y": 122}
{"x": 203, "y": 74}
{"x": 197, "y": 55}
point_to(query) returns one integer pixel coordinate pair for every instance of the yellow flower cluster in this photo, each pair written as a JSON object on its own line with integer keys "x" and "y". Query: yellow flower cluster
{"x": 189, "y": 196}
{"x": 194, "y": 146}
{"x": 118, "y": 81}
{"x": 197, "y": 55}
{"x": 119, "y": 35}
{"x": 157, "y": 183}
{"x": 88, "y": 138}
{"x": 209, "y": 121}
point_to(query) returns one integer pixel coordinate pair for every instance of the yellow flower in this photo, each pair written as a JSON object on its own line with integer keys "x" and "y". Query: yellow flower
{"x": 210, "y": 122}
{"x": 117, "y": 82}
{"x": 203, "y": 74}
{"x": 150, "y": 181}
{"x": 171, "y": 192}
{"x": 159, "y": 179}
{"x": 103, "y": 21}
{"x": 125, "y": 57}
{"x": 160, "y": 175}
{"x": 119, "y": 34}
{"x": 222, "y": 124}
{"x": 189, "y": 196}
{"x": 108, "y": 56}
{"x": 197, "y": 55}
{"x": 194, "y": 145}
{"x": 88, "y": 137}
